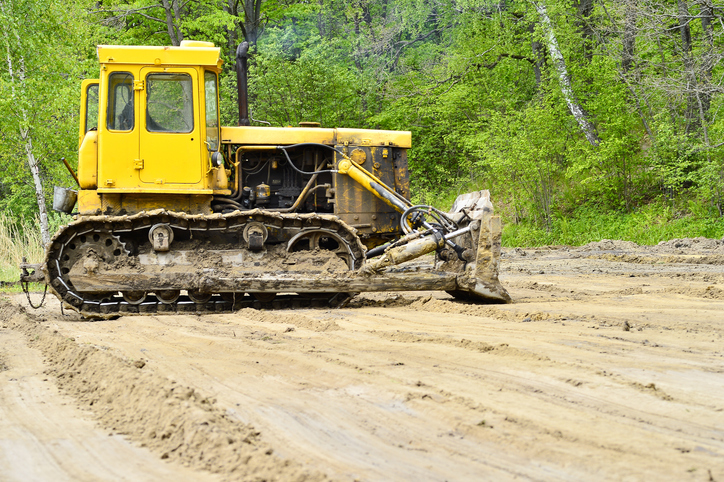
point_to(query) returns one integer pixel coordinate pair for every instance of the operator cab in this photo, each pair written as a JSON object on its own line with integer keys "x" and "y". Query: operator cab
{"x": 150, "y": 123}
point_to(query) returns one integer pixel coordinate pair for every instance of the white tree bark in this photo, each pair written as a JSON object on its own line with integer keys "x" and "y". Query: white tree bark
{"x": 24, "y": 130}
{"x": 39, "y": 193}
{"x": 565, "y": 80}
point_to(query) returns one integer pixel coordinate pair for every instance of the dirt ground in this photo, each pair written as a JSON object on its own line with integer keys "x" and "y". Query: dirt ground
{"x": 609, "y": 365}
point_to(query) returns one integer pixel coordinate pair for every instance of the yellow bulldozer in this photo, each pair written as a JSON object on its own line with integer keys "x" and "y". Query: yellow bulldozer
{"x": 176, "y": 213}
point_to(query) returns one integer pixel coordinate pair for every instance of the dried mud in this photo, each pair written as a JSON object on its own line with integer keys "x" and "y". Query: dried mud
{"x": 609, "y": 365}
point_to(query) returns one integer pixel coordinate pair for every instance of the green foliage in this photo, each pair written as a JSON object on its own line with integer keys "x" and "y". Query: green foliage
{"x": 528, "y": 152}
{"x": 649, "y": 225}
{"x": 21, "y": 239}
{"x": 295, "y": 79}
{"x": 473, "y": 80}
{"x": 47, "y": 57}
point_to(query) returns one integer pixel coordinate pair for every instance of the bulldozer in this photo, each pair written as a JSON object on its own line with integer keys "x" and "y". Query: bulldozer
{"x": 176, "y": 213}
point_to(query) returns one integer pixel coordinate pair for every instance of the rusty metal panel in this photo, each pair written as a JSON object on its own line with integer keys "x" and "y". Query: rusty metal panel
{"x": 402, "y": 174}
{"x": 358, "y": 207}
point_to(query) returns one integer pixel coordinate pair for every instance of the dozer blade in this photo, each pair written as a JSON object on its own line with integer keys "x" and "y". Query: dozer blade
{"x": 479, "y": 278}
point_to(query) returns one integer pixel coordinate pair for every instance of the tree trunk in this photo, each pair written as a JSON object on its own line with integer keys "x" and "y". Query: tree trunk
{"x": 37, "y": 180}
{"x": 707, "y": 60}
{"x": 177, "y": 20}
{"x": 320, "y": 19}
{"x": 630, "y": 32}
{"x": 251, "y": 25}
{"x": 585, "y": 9}
{"x": 231, "y": 7}
{"x": 629, "y": 36}
{"x": 24, "y": 131}
{"x": 692, "y": 114}
{"x": 538, "y": 55}
{"x": 588, "y": 130}
{"x": 173, "y": 21}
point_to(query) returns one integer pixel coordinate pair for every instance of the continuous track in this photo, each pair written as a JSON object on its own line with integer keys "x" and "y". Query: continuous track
{"x": 115, "y": 239}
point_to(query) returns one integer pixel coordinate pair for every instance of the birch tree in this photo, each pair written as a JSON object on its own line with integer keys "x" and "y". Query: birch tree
{"x": 39, "y": 79}
{"x": 16, "y": 74}
{"x": 564, "y": 78}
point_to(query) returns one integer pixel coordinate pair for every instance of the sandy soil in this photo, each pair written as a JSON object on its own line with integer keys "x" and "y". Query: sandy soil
{"x": 608, "y": 366}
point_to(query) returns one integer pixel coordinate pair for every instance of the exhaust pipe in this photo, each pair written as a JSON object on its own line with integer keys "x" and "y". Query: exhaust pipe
{"x": 242, "y": 55}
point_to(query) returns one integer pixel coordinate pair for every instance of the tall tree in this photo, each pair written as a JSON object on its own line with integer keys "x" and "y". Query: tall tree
{"x": 43, "y": 56}
{"x": 564, "y": 78}
{"x": 156, "y": 17}
{"x": 16, "y": 78}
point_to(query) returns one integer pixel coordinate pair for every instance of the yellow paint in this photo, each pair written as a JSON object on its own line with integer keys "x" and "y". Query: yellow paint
{"x": 151, "y": 156}
{"x": 203, "y": 56}
{"x": 135, "y": 202}
{"x": 375, "y": 137}
{"x": 88, "y": 161}
{"x": 358, "y": 156}
{"x": 145, "y": 189}
{"x": 138, "y": 161}
{"x": 83, "y": 106}
{"x": 363, "y": 178}
{"x": 174, "y": 157}
{"x": 276, "y": 136}
{"x": 219, "y": 180}
{"x": 89, "y": 202}
{"x": 196, "y": 43}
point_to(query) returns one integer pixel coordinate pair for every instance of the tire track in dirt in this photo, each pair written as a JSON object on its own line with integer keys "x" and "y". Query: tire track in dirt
{"x": 173, "y": 420}
{"x": 615, "y": 377}
{"x": 446, "y": 307}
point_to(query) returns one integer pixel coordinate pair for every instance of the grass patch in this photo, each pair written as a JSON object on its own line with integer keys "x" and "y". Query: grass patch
{"x": 17, "y": 240}
{"x": 649, "y": 225}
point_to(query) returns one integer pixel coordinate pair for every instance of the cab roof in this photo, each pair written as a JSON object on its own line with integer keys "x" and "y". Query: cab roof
{"x": 192, "y": 53}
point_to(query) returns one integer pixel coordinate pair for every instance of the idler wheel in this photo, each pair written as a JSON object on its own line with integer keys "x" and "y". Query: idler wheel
{"x": 255, "y": 234}
{"x": 134, "y": 297}
{"x": 322, "y": 240}
{"x": 168, "y": 296}
{"x": 161, "y": 237}
{"x": 199, "y": 296}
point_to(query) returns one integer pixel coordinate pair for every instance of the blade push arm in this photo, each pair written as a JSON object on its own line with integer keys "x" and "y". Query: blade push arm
{"x": 385, "y": 193}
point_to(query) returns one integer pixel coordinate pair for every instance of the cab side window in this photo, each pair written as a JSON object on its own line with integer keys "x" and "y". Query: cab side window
{"x": 212, "y": 111}
{"x": 169, "y": 103}
{"x": 91, "y": 108}
{"x": 120, "y": 115}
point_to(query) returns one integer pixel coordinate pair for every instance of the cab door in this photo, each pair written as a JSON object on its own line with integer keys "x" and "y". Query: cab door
{"x": 170, "y": 134}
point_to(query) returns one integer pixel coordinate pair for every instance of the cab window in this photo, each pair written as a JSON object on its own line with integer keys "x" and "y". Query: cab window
{"x": 169, "y": 103}
{"x": 120, "y": 116}
{"x": 212, "y": 112}
{"x": 91, "y": 108}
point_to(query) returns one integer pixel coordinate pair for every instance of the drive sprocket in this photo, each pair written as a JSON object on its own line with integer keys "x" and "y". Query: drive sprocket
{"x": 91, "y": 249}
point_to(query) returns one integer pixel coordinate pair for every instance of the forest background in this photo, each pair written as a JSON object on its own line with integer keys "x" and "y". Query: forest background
{"x": 586, "y": 119}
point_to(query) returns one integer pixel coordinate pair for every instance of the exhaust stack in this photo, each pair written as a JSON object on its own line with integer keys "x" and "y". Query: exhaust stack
{"x": 242, "y": 55}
